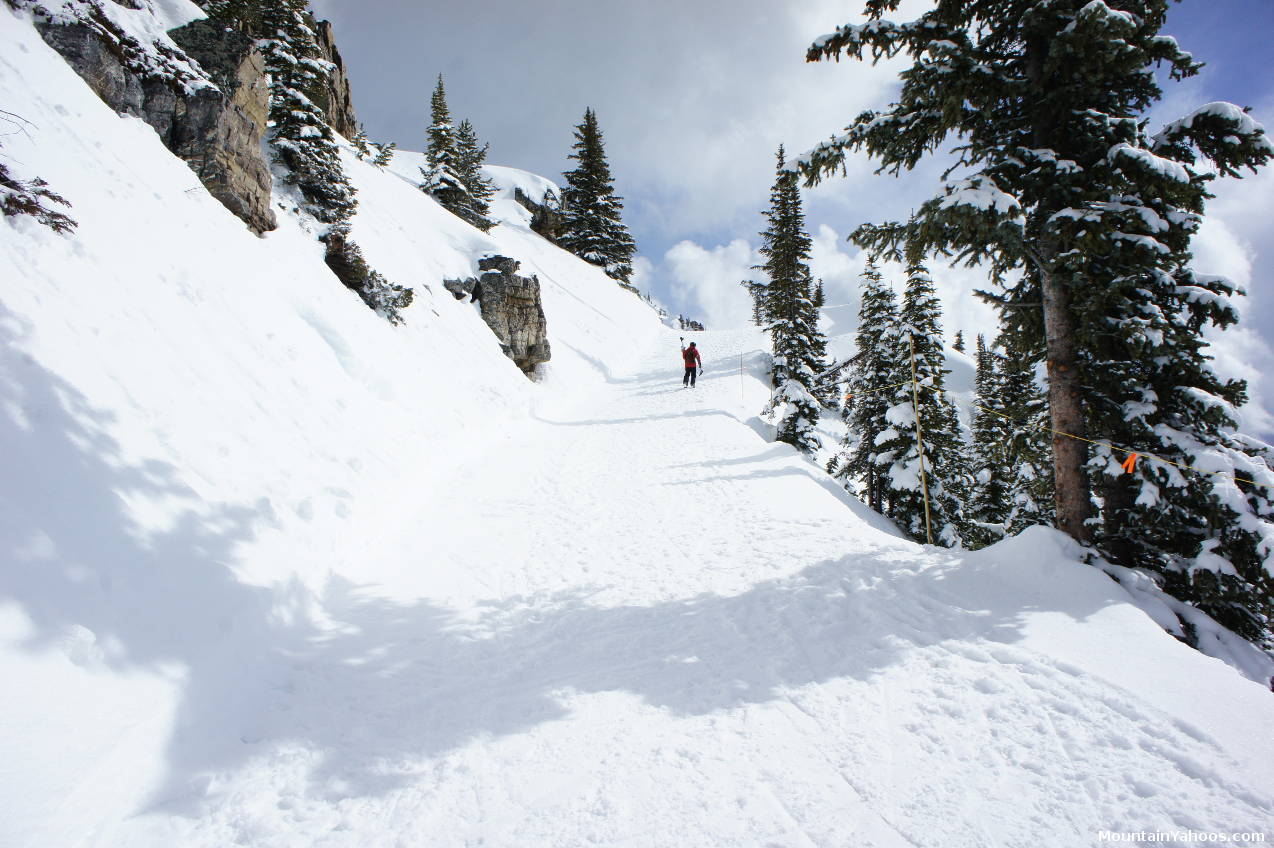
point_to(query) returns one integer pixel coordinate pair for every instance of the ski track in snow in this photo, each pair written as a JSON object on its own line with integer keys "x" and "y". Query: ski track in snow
{"x": 638, "y": 623}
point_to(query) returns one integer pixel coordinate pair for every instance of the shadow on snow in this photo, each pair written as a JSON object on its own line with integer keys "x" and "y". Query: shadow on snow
{"x": 380, "y": 685}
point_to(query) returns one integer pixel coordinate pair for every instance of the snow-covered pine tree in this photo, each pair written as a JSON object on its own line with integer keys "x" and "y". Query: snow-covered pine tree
{"x": 958, "y": 344}
{"x": 384, "y": 153}
{"x": 441, "y": 178}
{"x": 243, "y": 15}
{"x": 469, "y": 160}
{"x": 945, "y": 453}
{"x": 1152, "y": 390}
{"x": 1028, "y": 456}
{"x": 874, "y": 368}
{"x": 592, "y": 224}
{"x": 300, "y": 137}
{"x": 800, "y": 349}
{"x": 362, "y": 147}
{"x": 988, "y": 506}
{"x": 1062, "y": 181}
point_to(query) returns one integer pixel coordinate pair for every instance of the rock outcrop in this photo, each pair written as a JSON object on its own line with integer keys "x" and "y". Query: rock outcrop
{"x": 546, "y": 217}
{"x": 510, "y": 304}
{"x": 216, "y": 129}
{"x": 223, "y": 142}
{"x": 339, "y": 105}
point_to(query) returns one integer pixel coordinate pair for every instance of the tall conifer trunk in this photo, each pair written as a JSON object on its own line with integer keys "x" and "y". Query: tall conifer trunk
{"x": 1066, "y": 410}
{"x": 1065, "y": 390}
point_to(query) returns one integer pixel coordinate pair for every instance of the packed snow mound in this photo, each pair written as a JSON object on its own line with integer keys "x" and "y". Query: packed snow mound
{"x": 509, "y": 180}
{"x": 275, "y": 572}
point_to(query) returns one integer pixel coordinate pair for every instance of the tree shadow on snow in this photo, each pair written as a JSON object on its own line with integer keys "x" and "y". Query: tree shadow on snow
{"x": 381, "y": 686}
{"x": 391, "y": 685}
{"x": 109, "y": 594}
{"x": 798, "y": 466}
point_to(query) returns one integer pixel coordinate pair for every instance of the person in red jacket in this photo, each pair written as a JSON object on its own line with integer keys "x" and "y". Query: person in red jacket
{"x": 690, "y": 355}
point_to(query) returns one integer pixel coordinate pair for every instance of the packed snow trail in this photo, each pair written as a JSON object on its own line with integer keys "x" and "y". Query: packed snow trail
{"x": 639, "y": 623}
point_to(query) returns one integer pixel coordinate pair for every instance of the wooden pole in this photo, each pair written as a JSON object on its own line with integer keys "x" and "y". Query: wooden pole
{"x": 920, "y": 439}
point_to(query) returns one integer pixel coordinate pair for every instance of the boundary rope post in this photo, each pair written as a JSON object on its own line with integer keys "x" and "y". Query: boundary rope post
{"x": 920, "y": 439}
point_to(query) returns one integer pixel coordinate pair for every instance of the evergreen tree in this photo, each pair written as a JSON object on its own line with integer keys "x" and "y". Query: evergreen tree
{"x": 1152, "y": 390}
{"x": 469, "y": 160}
{"x": 788, "y": 293}
{"x": 442, "y": 179}
{"x": 799, "y": 347}
{"x": 384, "y": 154}
{"x": 874, "y": 368}
{"x": 1028, "y": 455}
{"x": 945, "y": 458}
{"x": 243, "y": 15}
{"x": 362, "y": 147}
{"x": 592, "y": 226}
{"x": 300, "y": 137}
{"x": 988, "y": 507}
{"x": 1063, "y": 182}
{"x": 958, "y": 344}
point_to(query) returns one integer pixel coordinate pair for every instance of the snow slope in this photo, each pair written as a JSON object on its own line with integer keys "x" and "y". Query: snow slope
{"x": 275, "y": 573}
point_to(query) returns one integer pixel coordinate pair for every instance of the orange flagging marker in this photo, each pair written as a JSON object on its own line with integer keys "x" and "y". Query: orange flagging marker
{"x": 1130, "y": 464}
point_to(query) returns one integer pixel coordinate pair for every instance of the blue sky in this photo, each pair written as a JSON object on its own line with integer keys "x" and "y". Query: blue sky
{"x": 1234, "y": 38}
{"x": 694, "y": 98}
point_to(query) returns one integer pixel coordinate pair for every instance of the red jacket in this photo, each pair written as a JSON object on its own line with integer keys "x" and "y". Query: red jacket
{"x": 691, "y": 356}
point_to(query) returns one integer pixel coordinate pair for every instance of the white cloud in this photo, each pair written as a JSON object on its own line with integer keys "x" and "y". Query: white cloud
{"x": 962, "y": 309}
{"x": 643, "y": 273}
{"x": 706, "y": 282}
{"x": 1240, "y": 351}
{"x": 693, "y": 98}
{"x": 837, "y": 263}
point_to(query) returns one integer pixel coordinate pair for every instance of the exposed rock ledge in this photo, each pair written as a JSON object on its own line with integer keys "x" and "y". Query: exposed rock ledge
{"x": 510, "y": 304}
{"x": 217, "y": 131}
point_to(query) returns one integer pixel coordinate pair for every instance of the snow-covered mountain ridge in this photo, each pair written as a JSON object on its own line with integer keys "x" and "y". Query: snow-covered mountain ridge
{"x": 275, "y": 572}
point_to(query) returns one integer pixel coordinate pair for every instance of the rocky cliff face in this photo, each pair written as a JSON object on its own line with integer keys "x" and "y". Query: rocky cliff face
{"x": 224, "y": 148}
{"x": 511, "y": 306}
{"x": 546, "y": 217}
{"x": 215, "y": 128}
{"x": 339, "y": 105}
